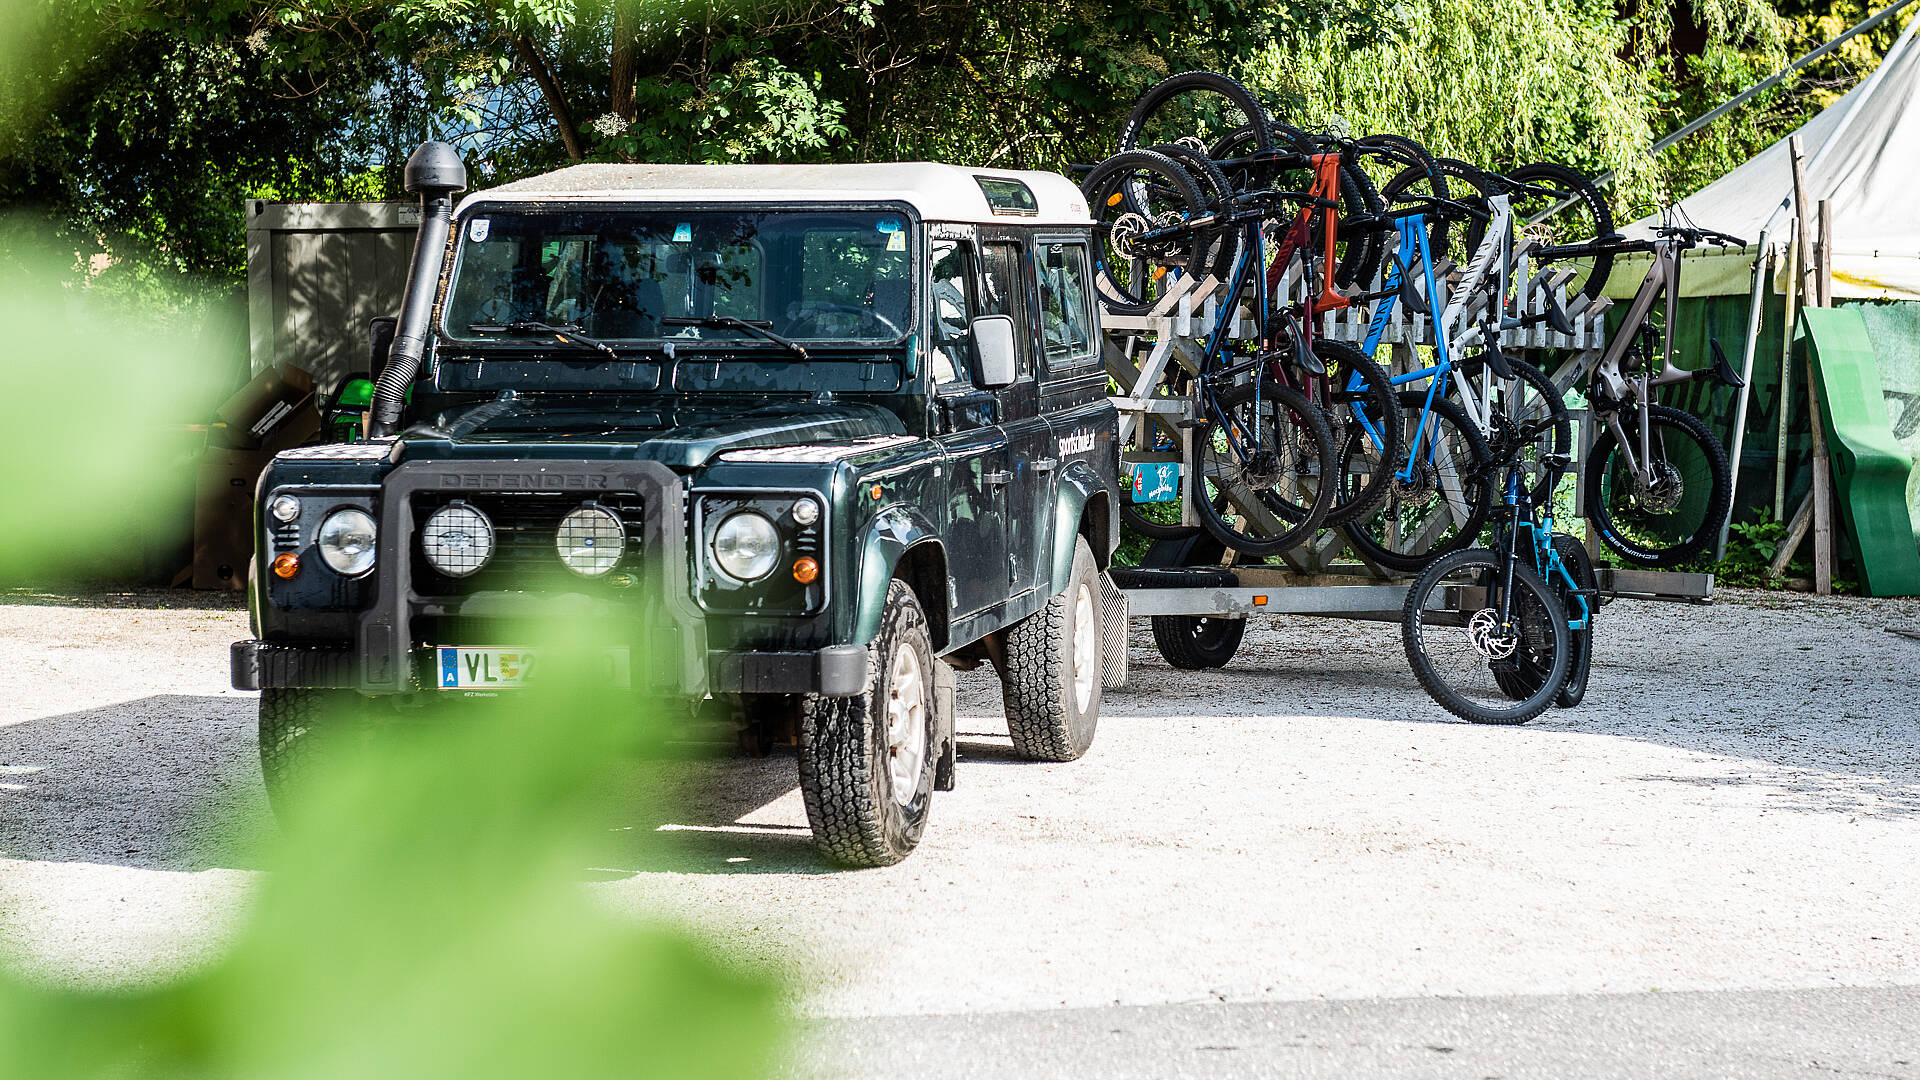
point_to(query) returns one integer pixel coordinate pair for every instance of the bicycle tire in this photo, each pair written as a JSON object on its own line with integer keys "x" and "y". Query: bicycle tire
{"x": 1223, "y": 245}
{"x": 1571, "y": 183}
{"x": 1462, "y": 179}
{"x": 1580, "y": 665}
{"x": 1381, "y": 433}
{"x": 1114, "y": 190}
{"x": 1521, "y": 684}
{"x": 1161, "y": 94}
{"x": 1558, "y": 438}
{"x": 1475, "y": 491}
{"x": 1364, "y": 247}
{"x": 1407, "y": 183}
{"x": 1628, "y": 534}
{"x": 1455, "y": 659}
{"x": 1274, "y": 475}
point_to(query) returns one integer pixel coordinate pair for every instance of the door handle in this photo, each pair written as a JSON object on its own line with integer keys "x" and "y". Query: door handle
{"x": 1046, "y": 464}
{"x": 998, "y": 477}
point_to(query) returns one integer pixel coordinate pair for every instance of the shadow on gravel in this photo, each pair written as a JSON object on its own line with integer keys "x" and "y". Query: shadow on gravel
{"x": 705, "y": 813}
{"x": 168, "y": 782}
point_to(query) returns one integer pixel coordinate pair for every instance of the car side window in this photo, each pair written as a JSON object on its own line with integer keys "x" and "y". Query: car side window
{"x": 951, "y": 323}
{"x": 1004, "y": 293}
{"x": 1065, "y": 327}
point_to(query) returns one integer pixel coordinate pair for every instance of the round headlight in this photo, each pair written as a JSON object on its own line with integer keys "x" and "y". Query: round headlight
{"x": 746, "y": 546}
{"x": 805, "y": 512}
{"x": 591, "y": 540}
{"x": 346, "y": 542}
{"x": 457, "y": 540}
{"x": 284, "y": 508}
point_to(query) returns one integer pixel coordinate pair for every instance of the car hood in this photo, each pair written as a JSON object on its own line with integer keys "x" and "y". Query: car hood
{"x": 683, "y": 437}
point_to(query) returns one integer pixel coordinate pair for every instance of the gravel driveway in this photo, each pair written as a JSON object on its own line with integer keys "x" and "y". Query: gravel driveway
{"x": 1736, "y": 807}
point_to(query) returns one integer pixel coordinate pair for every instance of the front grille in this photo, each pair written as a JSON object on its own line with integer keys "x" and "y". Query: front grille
{"x": 525, "y": 558}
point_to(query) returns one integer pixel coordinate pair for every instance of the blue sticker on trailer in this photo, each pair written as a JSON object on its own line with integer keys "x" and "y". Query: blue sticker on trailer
{"x": 1154, "y": 481}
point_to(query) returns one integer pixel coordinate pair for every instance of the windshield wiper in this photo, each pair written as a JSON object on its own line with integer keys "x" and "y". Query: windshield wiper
{"x": 568, "y": 334}
{"x": 716, "y": 322}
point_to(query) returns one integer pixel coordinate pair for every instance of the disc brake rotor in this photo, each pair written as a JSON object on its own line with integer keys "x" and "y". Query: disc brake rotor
{"x": 1483, "y": 629}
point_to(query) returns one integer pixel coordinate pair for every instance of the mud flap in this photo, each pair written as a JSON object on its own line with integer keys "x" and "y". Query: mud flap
{"x": 943, "y": 687}
{"x": 1113, "y": 633}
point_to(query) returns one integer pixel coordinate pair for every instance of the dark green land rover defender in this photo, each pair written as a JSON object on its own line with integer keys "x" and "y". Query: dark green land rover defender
{"x": 818, "y": 434}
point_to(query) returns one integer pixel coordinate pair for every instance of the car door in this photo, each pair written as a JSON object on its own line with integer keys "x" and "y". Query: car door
{"x": 967, "y": 420}
{"x": 1007, "y": 288}
{"x": 1073, "y": 383}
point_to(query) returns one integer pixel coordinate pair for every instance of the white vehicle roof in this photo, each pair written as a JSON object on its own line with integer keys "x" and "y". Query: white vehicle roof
{"x": 938, "y": 192}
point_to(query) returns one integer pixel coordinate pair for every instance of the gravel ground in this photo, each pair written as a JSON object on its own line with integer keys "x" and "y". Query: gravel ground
{"x": 1735, "y": 807}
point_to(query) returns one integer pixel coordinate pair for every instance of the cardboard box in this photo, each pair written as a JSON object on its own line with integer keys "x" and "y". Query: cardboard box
{"x": 223, "y": 516}
{"x": 256, "y": 414}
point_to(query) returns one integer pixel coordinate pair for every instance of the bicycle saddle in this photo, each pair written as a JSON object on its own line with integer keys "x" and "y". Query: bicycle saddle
{"x": 1722, "y": 370}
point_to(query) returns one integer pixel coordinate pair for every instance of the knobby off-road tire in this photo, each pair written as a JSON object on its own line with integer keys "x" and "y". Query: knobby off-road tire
{"x": 298, "y": 728}
{"x": 1586, "y": 218}
{"x": 1446, "y": 657}
{"x": 1050, "y": 669}
{"x": 866, "y": 789}
{"x": 1693, "y": 494}
{"x": 1372, "y": 447}
{"x": 1525, "y": 680}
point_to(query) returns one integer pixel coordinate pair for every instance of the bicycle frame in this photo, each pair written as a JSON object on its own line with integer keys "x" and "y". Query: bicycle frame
{"x": 1636, "y": 389}
{"x": 1545, "y": 560}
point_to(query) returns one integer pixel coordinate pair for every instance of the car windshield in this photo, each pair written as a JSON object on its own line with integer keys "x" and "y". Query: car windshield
{"x": 672, "y": 275}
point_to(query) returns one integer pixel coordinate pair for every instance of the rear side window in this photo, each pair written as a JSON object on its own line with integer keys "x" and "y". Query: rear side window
{"x": 951, "y": 296}
{"x": 1065, "y": 326}
{"x": 1004, "y": 293}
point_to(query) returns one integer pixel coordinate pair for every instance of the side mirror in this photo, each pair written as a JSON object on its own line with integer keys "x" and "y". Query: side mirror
{"x": 379, "y": 343}
{"x": 993, "y": 344}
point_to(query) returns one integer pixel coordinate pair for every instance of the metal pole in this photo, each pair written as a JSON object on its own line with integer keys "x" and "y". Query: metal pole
{"x": 1762, "y": 267}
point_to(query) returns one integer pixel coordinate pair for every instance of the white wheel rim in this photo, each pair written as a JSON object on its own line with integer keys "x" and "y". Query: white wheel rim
{"x": 1086, "y": 649}
{"x": 906, "y": 724}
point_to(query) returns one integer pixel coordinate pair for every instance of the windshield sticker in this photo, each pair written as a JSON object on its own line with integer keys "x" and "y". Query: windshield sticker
{"x": 477, "y": 229}
{"x": 683, "y": 232}
{"x": 897, "y": 242}
{"x": 887, "y": 225}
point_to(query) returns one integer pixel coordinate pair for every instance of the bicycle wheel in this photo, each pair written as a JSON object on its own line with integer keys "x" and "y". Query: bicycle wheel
{"x": 1677, "y": 511}
{"x": 1538, "y": 192}
{"x": 1128, "y": 194}
{"x": 1460, "y": 647}
{"x": 1440, "y": 506}
{"x": 1365, "y": 422}
{"x": 1197, "y": 107}
{"x": 1526, "y": 404}
{"x": 1223, "y": 245}
{"x": 1526, "y": 679}
{"x": 1406, "y": 173}
{"x": 1472, "y": 186}
{"x": 1260, "y": 456}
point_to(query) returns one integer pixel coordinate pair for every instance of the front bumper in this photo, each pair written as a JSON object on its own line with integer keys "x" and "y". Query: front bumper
{"x": 835, "y": 671}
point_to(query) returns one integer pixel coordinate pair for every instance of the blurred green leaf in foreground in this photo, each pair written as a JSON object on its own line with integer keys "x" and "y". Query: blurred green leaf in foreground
{"x": 427, "y": 918}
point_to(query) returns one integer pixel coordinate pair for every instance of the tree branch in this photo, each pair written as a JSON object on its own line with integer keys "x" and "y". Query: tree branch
{"x": 550, "y": 90}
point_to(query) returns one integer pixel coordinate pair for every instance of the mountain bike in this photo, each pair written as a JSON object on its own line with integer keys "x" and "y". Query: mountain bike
{"x": 1656, "y": 484}
{"x": 1497, "y": 635}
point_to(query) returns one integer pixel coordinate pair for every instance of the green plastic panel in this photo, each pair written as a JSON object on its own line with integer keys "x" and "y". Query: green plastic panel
{"x": 1870, "y": 467}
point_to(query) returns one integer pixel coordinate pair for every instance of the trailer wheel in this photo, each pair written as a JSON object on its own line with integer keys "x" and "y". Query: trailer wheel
{"x": 867, "y": 761}
{"x": 1050, "y": 669}
{"x": 1194, "y": 642}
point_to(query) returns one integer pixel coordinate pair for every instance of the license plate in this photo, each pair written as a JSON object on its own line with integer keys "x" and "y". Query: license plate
{"x": 463, "y": 668}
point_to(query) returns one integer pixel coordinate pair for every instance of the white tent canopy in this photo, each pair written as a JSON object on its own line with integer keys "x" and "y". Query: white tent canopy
{"x": 1863, "y": 155}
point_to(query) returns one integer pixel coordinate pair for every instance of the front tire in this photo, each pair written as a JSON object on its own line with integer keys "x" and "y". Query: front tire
{"x": 867, "y": 761}
{"x": 1050, "y": 669}
{"x": 297, "y": 729}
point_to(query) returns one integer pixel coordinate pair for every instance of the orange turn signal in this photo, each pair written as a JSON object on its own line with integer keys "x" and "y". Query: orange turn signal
{"x": 806, "y": 570}
{"x": 286, "y": 565}
{"x": 876, "y": 491}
